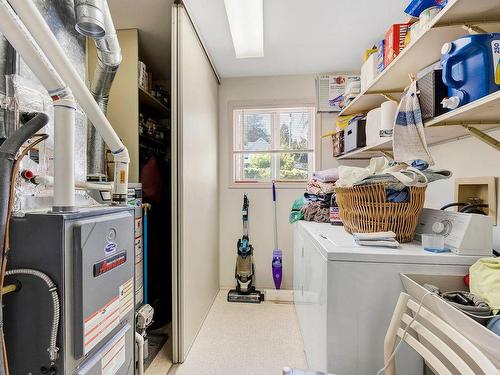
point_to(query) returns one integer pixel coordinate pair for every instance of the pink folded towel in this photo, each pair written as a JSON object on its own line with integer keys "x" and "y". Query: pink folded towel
{"x": 328, "y": 175}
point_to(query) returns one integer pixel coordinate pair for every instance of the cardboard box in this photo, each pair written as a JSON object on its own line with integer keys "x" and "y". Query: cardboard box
{"x": 380, "y": 56}
{"x": 394, "y": 41}
{"x": 369, "y": 72}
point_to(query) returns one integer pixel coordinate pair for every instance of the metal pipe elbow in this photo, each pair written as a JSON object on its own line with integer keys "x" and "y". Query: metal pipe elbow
{"x": 121, "y": 156}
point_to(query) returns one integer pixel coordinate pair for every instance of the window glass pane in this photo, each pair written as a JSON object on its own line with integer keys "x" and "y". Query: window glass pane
{"x": 294, "y": 166}
{"x": 294, "y": 130}
{"x": 253, "y": 167}
{"x": 257, "y": 131}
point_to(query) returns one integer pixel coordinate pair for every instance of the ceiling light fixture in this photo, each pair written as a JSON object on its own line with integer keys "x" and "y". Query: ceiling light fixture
{"x": 246, "y": 21}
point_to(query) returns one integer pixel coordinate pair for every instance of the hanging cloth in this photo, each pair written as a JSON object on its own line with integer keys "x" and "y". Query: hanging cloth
{"x": 409, "y": 142}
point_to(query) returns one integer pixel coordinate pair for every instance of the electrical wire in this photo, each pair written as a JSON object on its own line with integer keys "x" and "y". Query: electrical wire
{"x": 52, "y": 349}
{"x": 401, "y": 340}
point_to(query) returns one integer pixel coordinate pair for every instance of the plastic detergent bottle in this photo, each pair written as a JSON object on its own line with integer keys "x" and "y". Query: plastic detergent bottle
{"x": 471, "y": 68}
{"x": 334, "y": 212}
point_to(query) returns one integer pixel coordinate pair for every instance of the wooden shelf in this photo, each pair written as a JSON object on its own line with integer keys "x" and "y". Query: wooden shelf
{"x": 152, "y": 104}
{"x": 369, "y": 151}
{"x": 484, "y": 111}
{"x": 152, "y": 140}
{"x": 426, "y": 49}
{"x": 434, "y": 134}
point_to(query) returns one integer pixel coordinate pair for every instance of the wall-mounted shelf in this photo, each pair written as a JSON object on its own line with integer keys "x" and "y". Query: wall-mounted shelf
{"x": 152, "y": 140}
{"x": 425, "y": 50}
{"x": 380, "y": 148}
{"x": 482, "y": 111}
{"x": 153, "y": 104}
{"x": 434, "y": 135}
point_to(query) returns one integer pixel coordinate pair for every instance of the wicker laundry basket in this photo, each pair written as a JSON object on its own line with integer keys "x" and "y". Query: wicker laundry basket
{"x": 364, "y": 209}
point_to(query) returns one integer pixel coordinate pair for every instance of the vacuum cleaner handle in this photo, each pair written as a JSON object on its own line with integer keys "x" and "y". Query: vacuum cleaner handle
{"x": 274, "y": 191}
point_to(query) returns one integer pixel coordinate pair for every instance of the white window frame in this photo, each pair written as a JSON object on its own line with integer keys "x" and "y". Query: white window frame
{"x": 314, "y": 152}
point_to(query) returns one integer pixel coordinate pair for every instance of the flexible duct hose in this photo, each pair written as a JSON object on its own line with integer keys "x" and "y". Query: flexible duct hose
{"x": 8, "y": 150}
{"x": 52, "y": 349}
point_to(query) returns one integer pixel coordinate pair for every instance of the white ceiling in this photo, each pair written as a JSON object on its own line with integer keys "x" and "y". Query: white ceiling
{"x": 300, "y": 36}
{"x": 153, "y": 19}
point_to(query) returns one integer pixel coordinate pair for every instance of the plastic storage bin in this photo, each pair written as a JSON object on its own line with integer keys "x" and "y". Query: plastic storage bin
{"x": 416, "y": 7}
{"x": 471, "y": 68}
{"x": 355, "y": 135}
{"x": 432, "y": 92}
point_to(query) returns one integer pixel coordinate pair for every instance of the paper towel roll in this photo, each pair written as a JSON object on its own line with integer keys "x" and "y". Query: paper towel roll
{"x": 373, "y": 126}
{"x": 388, "y": 114}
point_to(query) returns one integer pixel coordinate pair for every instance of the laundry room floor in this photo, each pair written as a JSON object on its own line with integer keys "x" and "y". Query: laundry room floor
{"x": 245, "y": 339}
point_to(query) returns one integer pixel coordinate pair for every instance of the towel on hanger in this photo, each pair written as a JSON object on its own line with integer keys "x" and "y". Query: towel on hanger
{"x": 409, "y": 142}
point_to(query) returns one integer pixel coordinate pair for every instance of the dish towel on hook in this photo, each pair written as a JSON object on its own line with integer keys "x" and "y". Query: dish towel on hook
{"x": 409, "y": 142}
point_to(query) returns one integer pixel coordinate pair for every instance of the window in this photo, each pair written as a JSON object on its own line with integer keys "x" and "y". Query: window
{"x": 273, "y": 144}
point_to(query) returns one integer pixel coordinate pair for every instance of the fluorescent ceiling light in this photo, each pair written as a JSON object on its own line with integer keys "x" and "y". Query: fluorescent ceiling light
{"x": 246, "y": 21}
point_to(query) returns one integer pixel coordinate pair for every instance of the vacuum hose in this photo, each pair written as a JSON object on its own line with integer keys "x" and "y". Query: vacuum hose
{"x": 52, "y": 349}
{"x": 8, "y": 150}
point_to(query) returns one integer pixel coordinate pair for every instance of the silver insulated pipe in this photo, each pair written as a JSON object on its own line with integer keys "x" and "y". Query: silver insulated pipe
{"x": 93, "y": 20}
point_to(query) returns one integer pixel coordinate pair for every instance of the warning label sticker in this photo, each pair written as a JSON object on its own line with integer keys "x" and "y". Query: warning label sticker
{"x": 114, "y": 357}
{"x": 495, "y": 45}
{"x": 98, "y": 325}
{"x": 126, "y": 297}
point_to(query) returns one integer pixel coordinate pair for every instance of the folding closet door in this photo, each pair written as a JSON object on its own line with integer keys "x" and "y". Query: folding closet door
{"x": 195, "y": 182}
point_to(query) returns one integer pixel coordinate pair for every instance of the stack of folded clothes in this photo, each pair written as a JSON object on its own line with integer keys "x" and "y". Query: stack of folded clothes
{"x": 315, "y": 204}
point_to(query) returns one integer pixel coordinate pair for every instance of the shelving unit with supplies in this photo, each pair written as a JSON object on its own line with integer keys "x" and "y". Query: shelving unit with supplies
{"x": 474, "y": 119}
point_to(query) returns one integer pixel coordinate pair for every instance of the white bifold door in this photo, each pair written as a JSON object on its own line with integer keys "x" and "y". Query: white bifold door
{"x": 194, "y": 182}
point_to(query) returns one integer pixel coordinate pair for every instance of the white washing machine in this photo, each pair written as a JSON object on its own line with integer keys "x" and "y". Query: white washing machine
{"x": 345, "y": 295}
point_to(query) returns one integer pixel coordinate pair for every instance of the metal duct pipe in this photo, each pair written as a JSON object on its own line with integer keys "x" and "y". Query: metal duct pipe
{"x": 8, "y": 151}
{"x": 94, "y": 15}
{"x": 43, "y": 36}
{"x": 90, "y": 18}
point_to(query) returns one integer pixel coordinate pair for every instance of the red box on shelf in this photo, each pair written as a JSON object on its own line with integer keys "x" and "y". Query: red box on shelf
{"x": 395, "y": 41}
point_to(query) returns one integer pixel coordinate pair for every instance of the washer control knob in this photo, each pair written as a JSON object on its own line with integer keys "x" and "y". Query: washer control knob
{"x": 438, "y": 227}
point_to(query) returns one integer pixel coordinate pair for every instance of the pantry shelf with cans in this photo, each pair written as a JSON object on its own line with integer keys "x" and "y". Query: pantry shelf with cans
{"x": 428, "y": 50}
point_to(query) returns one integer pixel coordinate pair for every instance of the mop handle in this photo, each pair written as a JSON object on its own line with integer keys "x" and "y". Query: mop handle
{"x": 274, "y": 217}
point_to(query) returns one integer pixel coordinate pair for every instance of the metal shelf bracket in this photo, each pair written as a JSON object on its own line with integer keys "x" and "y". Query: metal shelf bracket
{"x": 482, "y": 136}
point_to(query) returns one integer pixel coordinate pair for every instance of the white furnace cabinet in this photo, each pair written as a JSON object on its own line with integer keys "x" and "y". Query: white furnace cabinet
{"x": 345, "y": 294}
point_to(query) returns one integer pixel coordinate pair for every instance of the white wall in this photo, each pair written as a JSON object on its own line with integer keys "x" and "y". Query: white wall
{"x": 465, "y": 158}
{"x": 468, "y": 157}
{"x": 279, "y": 90}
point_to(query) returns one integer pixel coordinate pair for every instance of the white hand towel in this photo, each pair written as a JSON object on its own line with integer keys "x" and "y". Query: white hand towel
{"x": 409, "y": 142}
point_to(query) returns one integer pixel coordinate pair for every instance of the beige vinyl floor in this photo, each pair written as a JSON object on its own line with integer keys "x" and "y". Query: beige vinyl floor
{"x": 245, "y": 339}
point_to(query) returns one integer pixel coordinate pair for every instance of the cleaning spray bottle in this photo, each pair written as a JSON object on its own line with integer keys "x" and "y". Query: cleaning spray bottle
{"x": 277, "y": 262}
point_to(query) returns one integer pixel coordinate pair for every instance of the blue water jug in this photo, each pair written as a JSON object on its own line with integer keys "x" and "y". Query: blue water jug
{"x": 471, "y": 68}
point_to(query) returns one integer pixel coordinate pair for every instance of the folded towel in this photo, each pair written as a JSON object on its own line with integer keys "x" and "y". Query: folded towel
{"x": 375, "y": 236}
{"x": 323, "y": 198}
{"x": 392, "y": 244}
{"x": 318, "y": 188}
{"x": 328, "y": 175}
{"x": 377, "y": 239}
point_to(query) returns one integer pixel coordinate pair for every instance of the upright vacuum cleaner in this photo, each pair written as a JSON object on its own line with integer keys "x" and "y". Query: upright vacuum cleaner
{"x": 244, "y": 272}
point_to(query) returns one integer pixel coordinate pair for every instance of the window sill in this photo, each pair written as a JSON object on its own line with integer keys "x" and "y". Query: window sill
{"x": 268, "y": 185}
